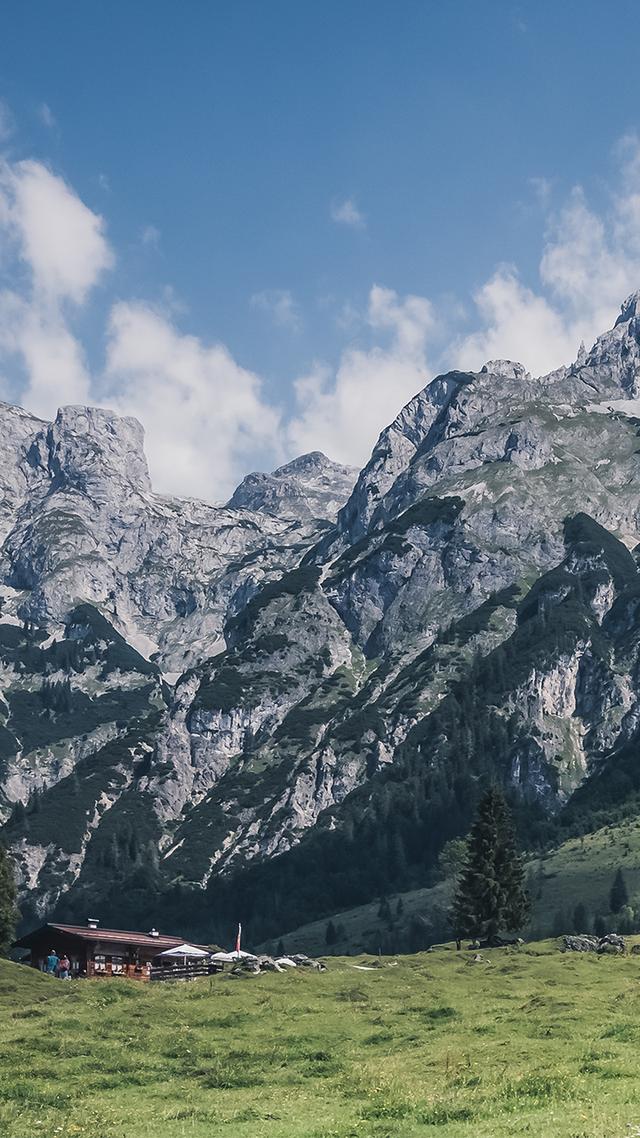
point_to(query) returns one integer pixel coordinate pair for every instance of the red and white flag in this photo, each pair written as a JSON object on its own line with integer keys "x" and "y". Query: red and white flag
{"x": 238, "y": 938}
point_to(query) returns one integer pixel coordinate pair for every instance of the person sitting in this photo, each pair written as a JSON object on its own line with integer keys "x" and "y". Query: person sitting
{"x": 52, "y": 962}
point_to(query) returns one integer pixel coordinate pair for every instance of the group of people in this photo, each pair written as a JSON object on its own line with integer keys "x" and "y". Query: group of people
{"x": 59, "y": 966}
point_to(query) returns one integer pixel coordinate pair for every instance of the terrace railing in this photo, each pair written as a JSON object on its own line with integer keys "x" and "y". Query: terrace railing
{"x": 182, "y": 971}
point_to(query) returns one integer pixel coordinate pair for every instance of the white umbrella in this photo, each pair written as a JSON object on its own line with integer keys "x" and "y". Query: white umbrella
{"x": 229, "y": 957}
{"x": 184, "y": 950}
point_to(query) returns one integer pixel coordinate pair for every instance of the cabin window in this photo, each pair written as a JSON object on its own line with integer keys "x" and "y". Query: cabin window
{"x": 117, "y": 965}
{"x": 100, "y": 962}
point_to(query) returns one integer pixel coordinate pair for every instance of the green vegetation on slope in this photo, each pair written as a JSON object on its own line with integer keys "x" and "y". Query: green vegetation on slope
{"x": 579, "y": 872}
{"x": 524, "y": 1042}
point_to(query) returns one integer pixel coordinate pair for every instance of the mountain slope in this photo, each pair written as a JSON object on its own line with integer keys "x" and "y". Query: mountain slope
{"x": 342, "y": 678}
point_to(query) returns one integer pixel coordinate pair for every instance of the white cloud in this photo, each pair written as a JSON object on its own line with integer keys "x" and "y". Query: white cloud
{"x": 58, "y": 237}
{"x": 517, "y": 325}
{"x": 205, "y": 419}
{"x": 57, "y": 250}
{"x": 342, "y": 411}
{"x": 590, "y": 262}
{"x": 47, "y": 116}
{"x": 346, "y": 212}
{"x": 208, "y": 419}
{"x": 280, "y": 306}
{"x": 51, "y": 357}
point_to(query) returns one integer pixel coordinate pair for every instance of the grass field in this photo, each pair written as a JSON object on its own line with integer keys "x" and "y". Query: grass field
{"x": 530, "y": 1042}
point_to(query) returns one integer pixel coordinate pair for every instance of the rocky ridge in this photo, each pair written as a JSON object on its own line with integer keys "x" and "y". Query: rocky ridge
{"x": 343, "y": 674}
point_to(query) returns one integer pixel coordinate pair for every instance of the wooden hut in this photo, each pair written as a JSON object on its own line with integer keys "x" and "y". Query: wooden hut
{"x": 98, "y": 952}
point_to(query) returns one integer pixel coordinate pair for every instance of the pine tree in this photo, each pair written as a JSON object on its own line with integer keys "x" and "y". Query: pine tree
{"x": 330, "y": 936}
{"x": 8, "y": 908}
{"x": 384, "y": 910}
{"x": 619, "y": 896}
{"x": 490, "y": 893}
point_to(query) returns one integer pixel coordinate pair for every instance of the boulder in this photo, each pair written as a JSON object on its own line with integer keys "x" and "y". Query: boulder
{"x": 581, "y": 943}
{"x": 611, "y": 944}
{"x": 303, "y": 961}
{"x": 268, "y": 964}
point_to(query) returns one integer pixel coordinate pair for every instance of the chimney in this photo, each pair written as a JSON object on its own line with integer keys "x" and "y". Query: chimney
{"x": 154, "y": 932}
{"x": 92, "y": 922}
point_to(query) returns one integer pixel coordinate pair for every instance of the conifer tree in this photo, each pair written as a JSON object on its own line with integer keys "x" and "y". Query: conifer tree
{"x": 490, "y": 894}
{"x": 619, "y": 896}
{"x": 384, "y": 910}
{"x": 8, "y": 908}
{"x": 330, "y": 936}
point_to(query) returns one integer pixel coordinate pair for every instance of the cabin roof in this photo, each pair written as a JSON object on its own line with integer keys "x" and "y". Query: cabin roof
{"x": 112, "y": 936}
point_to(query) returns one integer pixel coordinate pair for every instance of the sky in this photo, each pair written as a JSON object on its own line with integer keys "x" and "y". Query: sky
{"x": 261, "y": 227}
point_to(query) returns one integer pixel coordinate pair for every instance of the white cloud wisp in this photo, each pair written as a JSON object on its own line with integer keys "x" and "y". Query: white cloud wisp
{"x": 207, "y": 418}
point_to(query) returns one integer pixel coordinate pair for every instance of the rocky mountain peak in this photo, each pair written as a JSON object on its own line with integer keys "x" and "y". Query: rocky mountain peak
{"x": 311, "y": 486}
{"x": 313, "y": 461}
{"x": 395, "y": 448}
{"x": 630, "y": 308}
{"x": 615, "y": 356}
{"x": 506, "y": 368}
{"x": 91, "y": 447}
{"x": 474, "y": 613}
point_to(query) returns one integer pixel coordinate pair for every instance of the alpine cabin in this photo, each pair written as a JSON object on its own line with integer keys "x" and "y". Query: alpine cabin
{"x": 93, "y": 951}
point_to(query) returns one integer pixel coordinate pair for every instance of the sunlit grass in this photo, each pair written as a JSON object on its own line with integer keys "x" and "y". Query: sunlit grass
{"x": 530, "y": 1042}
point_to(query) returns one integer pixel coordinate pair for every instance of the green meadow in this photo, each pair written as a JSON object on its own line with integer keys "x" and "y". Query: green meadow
{"x": 529, "y": 1041}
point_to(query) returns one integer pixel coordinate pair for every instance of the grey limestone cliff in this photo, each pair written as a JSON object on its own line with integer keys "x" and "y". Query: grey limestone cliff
{"x": 211, "y": 683}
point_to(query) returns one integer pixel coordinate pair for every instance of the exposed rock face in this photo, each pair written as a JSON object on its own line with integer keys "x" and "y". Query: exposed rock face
{"x": 311, "y": 486}
{"x": 83, "y": 524}
{"x": 468, "y": 606}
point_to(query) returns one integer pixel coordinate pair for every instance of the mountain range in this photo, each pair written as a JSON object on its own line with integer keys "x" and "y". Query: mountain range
{"x": 286, "y": 705}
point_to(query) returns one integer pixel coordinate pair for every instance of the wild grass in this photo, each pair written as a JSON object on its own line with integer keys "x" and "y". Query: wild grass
{"x": 528, "y": 1042}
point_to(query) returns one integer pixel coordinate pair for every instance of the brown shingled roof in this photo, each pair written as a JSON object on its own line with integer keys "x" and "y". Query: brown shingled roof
{"x": 114, "y": 936}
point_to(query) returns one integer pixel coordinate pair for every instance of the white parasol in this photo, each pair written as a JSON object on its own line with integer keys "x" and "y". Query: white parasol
{"x": 184, "y": 950}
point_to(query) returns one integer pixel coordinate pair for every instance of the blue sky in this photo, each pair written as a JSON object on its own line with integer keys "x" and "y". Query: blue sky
{"x": 296, "y": 213}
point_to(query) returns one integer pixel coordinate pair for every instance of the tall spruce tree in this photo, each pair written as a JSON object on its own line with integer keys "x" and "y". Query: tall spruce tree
{"x": 490, "y": 895}
{"x": 8, "y": 908}
{"x": 619, "y": 896}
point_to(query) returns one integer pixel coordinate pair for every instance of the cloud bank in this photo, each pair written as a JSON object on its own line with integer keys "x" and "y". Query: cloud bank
{"x": 209, "y": 419}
